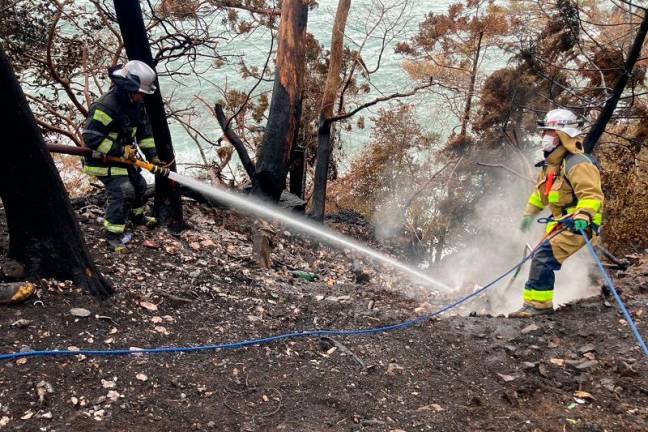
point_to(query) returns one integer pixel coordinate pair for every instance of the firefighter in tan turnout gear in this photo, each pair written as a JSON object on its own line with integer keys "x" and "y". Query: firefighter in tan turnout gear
{"x": 115, "y": 122}
{"x": 569, "y": 185}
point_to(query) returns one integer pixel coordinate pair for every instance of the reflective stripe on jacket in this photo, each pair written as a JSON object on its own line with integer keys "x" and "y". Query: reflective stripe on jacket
{"x": 576, "y": 189}
{"x": 114, "y": 122}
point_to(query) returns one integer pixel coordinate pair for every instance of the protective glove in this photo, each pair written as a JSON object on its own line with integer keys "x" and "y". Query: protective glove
{"x": 580, "y": 224}
{"x": 526, "y": 223}
{"x": 130, "y": 152}
{"x": 156, "y": 161}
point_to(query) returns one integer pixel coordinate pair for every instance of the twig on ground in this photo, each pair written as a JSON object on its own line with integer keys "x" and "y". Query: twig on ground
{"x": 345, "y": 350}
{"x": 173, "y": 297}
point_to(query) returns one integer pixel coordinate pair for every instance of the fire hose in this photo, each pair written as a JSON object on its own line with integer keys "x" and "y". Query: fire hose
{"x": 93, "y": 154}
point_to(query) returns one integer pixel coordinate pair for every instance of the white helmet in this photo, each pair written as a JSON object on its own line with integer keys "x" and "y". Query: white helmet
{"x": 135, "y": 76}
{"x": 562, "y": 120}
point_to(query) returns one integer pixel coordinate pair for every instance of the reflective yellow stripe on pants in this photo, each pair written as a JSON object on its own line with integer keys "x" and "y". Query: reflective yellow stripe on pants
{"x": 114, "y": 228}
{"x": 531, "y": 295}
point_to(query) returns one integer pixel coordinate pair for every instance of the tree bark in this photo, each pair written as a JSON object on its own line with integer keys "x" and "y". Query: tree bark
{"x": 326, "y": 111}
{"x": 286, "y": 105}
{"x": 43, "y": 230}
{"x": 633, "y": 55}
{"x": 297, "y": 171}
{"x": 167, "y": 207}
{"x": 471, "y": 89}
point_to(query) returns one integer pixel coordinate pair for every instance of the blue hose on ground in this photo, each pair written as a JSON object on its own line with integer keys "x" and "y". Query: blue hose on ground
{"x": 266, "y": 340}
{"x": 617, "y": 297}
{"x": 329, "y": 332}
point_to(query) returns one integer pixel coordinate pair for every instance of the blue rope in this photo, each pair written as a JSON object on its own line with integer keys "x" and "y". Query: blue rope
{"x": 617, "y": 297}
{"x": 266, "y": 340}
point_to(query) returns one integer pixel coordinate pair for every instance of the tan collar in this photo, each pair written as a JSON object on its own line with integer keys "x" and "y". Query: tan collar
{"x": 556, "y": 157}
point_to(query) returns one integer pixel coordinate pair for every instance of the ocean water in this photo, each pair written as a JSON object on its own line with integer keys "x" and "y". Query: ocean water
{"x": 389, "y": 78}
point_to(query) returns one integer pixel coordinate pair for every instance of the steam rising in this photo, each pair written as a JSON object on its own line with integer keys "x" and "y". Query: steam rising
{"x": 497, "y": 246}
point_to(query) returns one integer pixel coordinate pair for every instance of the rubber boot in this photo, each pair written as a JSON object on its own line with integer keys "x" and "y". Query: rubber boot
{"x": 528, "y": 311}
{"x": 147, "y": 221}
{"x": 16, "y": 292}
{"x": 115, "y": 242}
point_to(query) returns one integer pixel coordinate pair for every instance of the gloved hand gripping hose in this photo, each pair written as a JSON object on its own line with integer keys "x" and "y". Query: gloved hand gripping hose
{"x": 93, "y": 154}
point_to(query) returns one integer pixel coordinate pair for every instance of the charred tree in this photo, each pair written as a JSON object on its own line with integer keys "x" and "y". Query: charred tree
{"x": 286, "y": 105}
{"x": 606, "y": 114}
{"x": 326, "y": 111}
{"x": 167, "y": 207}
{"x": 298, "y": 171}
{"x": 236, "y": 142}
{"x": 43, "y": 230}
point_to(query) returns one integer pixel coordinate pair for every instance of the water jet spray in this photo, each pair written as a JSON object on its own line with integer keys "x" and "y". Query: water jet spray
{"x": 255, "y": 207}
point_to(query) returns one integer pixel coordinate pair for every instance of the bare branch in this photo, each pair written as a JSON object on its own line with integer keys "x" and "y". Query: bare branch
{"x": 233, "y": 4}
{"x": 238, "y": 144}
{"x": 249, "y": 94}
{"x": 52, "y": 68}
{"x": 504, "y": 167}
{"x": 359, "y": 108}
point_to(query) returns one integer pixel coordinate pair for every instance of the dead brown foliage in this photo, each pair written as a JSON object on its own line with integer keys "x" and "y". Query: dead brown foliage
{"x": 179, "y": 9}
{"x": 625, "y": 183}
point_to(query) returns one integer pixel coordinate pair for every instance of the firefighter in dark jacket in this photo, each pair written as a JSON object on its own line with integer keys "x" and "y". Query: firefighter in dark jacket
{"x": 116, "y": 122}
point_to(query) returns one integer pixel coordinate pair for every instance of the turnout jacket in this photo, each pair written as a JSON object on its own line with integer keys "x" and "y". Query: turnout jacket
{"x": 569, "y": 184}
{"x": 113, "y": 123}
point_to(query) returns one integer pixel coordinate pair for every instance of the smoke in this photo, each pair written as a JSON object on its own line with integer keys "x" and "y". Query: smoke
{"x": 497, "y": 245}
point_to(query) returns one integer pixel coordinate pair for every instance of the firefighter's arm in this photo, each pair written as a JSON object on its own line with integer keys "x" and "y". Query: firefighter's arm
{"x": 534, "y": 204}
{"x": 98, "y": 132}
{"x": 145, "y": 140}
{"x": 585, "y": 178}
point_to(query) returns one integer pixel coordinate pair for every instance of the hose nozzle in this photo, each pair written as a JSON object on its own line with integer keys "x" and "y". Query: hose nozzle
{"x": 154, "y": 169}
{"x": 164, "y": 172}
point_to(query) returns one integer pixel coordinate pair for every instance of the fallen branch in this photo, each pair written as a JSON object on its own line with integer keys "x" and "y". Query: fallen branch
{"x": 344, "y": 349}
{"x": 173, "y": 297}
{"x": 618, "y": 263}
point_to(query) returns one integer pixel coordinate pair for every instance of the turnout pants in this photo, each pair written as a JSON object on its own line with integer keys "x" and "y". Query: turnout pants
{"x": 125, "y": 198}
{"x": 539, "y": 288}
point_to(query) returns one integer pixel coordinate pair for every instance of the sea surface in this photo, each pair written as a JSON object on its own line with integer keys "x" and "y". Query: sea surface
{"x": 389, "y": 78}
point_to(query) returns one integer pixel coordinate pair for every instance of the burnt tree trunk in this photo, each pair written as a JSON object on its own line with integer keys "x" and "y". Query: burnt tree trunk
{"x": 606, "y": 114}
{"x": 286, "y": 105}
{"x": 471, "y": 88}
{"x": 297, "y": 171}
{"x": 43, "y": 230}
{"x": 326, "y": 111}
{"x": 167, "y": 207}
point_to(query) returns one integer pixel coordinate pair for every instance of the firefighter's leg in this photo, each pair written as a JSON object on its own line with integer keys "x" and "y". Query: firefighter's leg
{"x": 121, "y": 195}
{"x": 138, "y": 216}
{"x": 566, "y": 244}
{"x": 539, "y": 288}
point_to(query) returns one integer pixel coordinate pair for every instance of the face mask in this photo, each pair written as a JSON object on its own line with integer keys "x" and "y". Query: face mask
{"x": 549, "y": 143}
